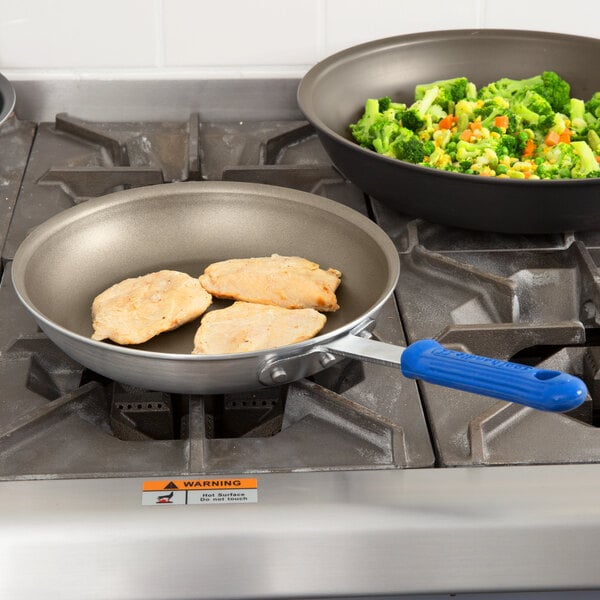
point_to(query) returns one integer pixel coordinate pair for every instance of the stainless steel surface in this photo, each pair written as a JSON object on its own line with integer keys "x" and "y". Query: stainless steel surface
{"x": 357, "y": 346}
{"x": 309, "y": 535}
{"x": 150, "y": 100}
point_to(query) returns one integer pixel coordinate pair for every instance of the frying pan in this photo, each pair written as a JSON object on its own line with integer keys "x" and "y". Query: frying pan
{"x": 332, "y": 95}
{"x": 7, "y": 99}
{"x": 65, "y": 262}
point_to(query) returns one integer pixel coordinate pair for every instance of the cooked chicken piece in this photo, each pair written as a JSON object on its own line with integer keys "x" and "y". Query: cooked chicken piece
{"x": 244, "y": 327}
{"x": 137, "y": 309}
{"x": 287, "y": 281}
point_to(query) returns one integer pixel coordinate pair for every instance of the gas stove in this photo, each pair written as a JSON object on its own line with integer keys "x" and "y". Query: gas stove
{"x": 355, "y": 481}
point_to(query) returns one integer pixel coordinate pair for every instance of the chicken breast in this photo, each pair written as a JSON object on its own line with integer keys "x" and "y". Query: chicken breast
{"x": 286, "y": 281}
{"x": 137, "y": 309}
{"x": 244, "y": 327}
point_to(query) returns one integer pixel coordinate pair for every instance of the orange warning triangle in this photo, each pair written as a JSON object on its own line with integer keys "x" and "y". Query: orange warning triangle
{"x": 171, "y": 486}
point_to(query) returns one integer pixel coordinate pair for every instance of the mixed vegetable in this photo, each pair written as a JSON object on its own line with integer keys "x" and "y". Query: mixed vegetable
{"x": 525, "y": 129}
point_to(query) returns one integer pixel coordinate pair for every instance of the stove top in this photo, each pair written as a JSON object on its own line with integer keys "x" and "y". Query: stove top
{"x": 351, "y": 416}
{"x": 523, "y": 298}
{"x": 359, "y": 470}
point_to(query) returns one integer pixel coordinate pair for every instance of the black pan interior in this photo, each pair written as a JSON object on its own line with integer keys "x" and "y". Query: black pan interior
{"x": 70, "y": 259}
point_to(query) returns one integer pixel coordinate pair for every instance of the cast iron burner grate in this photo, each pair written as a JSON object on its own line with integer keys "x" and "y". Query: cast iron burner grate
{"x": 16, "y": 138}
{"x": 531, "y": 299}
{"x": 68, "y": 421}
{"x": 61, "y": 420}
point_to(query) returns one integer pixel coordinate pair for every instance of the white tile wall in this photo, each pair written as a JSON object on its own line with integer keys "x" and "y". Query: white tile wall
{"x": 238, "y": 38}
{"x": 241, "y": 32}
{"x": 349, "y": 22}
{"x": 71, "y": 34}
{"x": 579, "y": 17}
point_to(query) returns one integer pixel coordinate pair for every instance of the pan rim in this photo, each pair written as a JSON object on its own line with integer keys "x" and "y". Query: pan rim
{"x": 306, "y": 89}
{"x": 9, "y": 98}
{"x": 69, "y": 216}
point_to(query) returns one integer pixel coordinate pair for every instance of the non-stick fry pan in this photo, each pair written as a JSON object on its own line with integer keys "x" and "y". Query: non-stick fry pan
{"x": 64, "y": 263}
{"x": 8, "y": 99}
{"x": 333, "y": 93}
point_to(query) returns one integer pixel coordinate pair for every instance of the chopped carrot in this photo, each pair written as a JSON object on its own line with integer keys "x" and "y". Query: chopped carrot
{"x": 598, "y": 159}
{"x": 501, "y": 122}
{"x": 465, "y": 135}
{"x": 447, "y": 122}
{"x": 475, "y": 125}
{"x": 552, "y": 138}
{"x": 529, "y": 149}
{"x": 565, "y": 136}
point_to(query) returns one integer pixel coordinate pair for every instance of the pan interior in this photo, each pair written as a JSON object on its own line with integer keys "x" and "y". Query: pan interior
{"x": 333, "y": 93}
{"x": 69, "y": 260}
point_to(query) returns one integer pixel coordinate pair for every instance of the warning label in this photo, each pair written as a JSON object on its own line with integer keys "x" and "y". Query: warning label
{"x": 200, "y": 491}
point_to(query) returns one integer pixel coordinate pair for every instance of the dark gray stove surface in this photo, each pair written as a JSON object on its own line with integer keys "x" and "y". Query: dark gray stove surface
{"x": 530, "y": 299}
{"x": 527, "y": 298}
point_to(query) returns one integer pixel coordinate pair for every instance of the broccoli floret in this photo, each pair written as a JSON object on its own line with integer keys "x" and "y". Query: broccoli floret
{"x": 507, "y": 88}
{"x": 467, "y": 151}
{"x": 559, "y": 161}
{"x": 507, "y": 146}
{"x": 410, "y": 150}
{"x": 450, "y": 91}
{"x": 593, "y": 105}
{"x": 429, "y": 147}
{"x": 407, "y": 146}
{"x": 480, "y": 152}
{"x": 436, "y": 113}
{"x": 386, "y": 103}
{"x": 415, "y": 115}
{"x": 361, "y": 130}
{"x": 413, "y": 120}
{"x": 492, "y": 108}
{"x": 560, "y": 124}
{"x": 555, "y": 90}
{"x": 534, "y": 111}
{"x": 386, "y": 132}
{"x": 379, "y": 124}
{"x": 464, "y": 111}
{"x": 577, "y": 115}
{"x": 587, "y": 160}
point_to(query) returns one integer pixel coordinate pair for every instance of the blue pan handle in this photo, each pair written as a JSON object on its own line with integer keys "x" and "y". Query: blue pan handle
{"x": 539, "y": 388}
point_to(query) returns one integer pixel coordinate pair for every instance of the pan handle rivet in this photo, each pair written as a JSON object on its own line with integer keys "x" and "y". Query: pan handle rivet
{"x": 279, "y": 375}
{"x": 327, "y": 359}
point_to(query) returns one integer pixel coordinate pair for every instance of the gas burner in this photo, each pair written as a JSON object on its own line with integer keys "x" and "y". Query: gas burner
{"x": 526, "y": 299}
{"x": 350, "y": 416}
{"x": 121, "y": 430}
